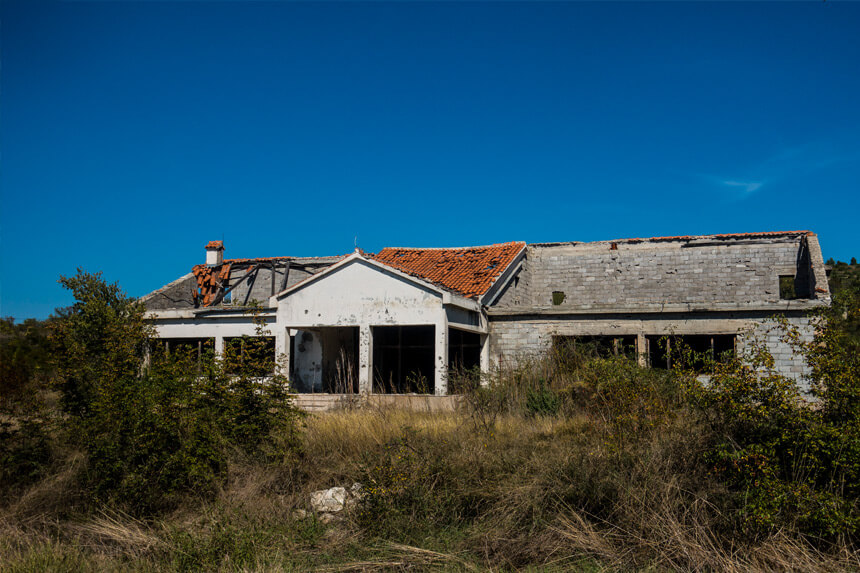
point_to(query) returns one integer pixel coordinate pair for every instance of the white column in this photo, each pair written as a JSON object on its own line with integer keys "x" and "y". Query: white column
{"x": 219, "y": 346}
{"x": 485, "y": 353}
{"x": 441, "y": 378}
{"x": 641, "y": 350}
{"x": 282, "y": 351}
{"x": 365, "y": 359}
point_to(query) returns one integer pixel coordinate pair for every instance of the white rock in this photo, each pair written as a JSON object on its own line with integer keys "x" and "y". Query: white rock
{"x": 328, "y": 500}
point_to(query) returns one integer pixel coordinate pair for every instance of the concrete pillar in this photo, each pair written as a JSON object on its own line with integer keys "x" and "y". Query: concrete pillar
{"x": 485, "y": 354}
{"x": 440, "y": 381}
{"x": 219, "y": 346}
{"x": 282, "y": 351}
{"x": 365, "y": 359}
{"x": 640, "y": 349}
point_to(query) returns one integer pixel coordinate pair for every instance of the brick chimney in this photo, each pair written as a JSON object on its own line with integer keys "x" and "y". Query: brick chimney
{"x": 214, "y": 253}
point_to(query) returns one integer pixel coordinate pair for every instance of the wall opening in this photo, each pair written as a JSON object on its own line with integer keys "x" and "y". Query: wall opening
{"x": 195, "y": 349}
{"x": 324, "y": 360}
{"x": 602, "y": 346}
{"x": 251, "y": 355}
{"x": 464, "y": 349}
{"x": 787, "y": 290}
{"x": 557, "y": 297}
{"x": 664, "y": 351}
{"x": 404, "y": 359}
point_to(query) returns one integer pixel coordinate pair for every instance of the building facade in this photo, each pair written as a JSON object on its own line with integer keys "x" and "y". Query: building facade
{"x": 396, "y": 321}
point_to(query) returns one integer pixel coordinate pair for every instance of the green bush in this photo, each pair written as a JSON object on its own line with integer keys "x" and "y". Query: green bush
{"x": 543, "y": 401}
{"x": 793, "y": 464}
{"x": 155, "y": 426}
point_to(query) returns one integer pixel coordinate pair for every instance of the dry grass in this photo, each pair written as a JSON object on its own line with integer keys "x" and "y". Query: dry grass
{"x": 550, "y": 494}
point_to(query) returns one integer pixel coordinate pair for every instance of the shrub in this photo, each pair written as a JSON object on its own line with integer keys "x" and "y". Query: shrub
{"x": 152, "y": 432}
{"x": 793, "y": 465}
{"x": 543, "y": 401}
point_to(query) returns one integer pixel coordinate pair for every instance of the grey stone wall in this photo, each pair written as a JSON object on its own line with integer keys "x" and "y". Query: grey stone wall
{"x": 634, "y": 273}
{"x": 530, "y": 336}
{"x": 786, "y": 361}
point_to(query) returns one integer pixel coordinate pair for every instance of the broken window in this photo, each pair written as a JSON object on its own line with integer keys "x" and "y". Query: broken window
{"x": 464, "y": 349}
{"x": 195, "y": 349}
{"x": 250, "y": 355}
{"x": 787, "y": 289}
{"x": 698, "y": 350}
{"x": 601, "y": 346}
{"x": 339, "y": 359}
{"x": 404, "y": 359}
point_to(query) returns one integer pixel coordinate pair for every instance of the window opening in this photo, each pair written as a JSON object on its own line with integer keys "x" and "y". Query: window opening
{"x": 250, "y": 355}
{"x": 787, "y": 289}
{"x": 404, "y": 359}
{"x": 700, "y": 350}
{"x": 602, "y": 346}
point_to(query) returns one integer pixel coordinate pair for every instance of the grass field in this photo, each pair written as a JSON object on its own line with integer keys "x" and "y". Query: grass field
{"x": 444, "y": 492}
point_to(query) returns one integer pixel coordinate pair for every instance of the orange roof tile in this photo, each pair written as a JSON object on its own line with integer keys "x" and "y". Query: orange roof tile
{"x": 470, "y": 271}
{"x": 215, "y": 245}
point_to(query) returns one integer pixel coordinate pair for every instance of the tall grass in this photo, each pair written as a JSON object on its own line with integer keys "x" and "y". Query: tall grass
{"x": 553, "y": 464}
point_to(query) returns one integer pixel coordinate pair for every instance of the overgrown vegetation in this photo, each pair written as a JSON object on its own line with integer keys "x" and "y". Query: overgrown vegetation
{"x": 579, "y": 460}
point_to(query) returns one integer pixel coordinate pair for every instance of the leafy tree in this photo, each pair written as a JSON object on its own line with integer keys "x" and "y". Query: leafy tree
{"x": 155, "y": 426}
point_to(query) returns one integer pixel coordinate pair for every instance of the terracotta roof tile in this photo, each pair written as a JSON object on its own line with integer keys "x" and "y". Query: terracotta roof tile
{"x": 215, "y": 245}
{"x": 470, "y": 271}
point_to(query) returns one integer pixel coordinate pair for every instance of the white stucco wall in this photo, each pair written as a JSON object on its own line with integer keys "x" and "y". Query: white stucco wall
{"x": 363, "y": 295}
{"x": 359, "y": 293}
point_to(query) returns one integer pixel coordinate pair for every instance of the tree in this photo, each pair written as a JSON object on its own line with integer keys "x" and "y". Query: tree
{"x": 154, "y": 432}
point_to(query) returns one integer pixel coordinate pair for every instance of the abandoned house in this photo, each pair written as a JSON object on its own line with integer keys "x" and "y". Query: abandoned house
{"x": 396, "y": 321}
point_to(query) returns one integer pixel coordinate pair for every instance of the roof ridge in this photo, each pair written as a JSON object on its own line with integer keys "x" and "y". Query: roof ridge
{"x": 680, "y": 238}
{"x": 455, "y": 248}
{"x": 252, "y": 259}
{"x": 713, "y": 235}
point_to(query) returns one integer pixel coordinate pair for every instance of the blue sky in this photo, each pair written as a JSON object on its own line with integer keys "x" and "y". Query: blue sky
{"x": 134, "y": 132}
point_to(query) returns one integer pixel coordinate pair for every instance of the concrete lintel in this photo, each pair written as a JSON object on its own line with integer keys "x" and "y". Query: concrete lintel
{"x": 450, "y": 299}
{"x": 168, "y": 314}
{"x": 775, "y": 307}
{"x": 221, "y": 312}
{"x": 468, "y": 327}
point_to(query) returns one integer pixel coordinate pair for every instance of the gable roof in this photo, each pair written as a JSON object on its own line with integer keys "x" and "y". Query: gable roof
{"x": 469, "y": 271}
{"x": 705, "y": 272}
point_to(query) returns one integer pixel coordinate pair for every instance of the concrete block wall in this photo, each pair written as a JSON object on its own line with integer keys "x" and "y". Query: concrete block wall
{"x": 786, "y": 361}
{"x": 596, "y": 274}
{"x": 511, "y": 340}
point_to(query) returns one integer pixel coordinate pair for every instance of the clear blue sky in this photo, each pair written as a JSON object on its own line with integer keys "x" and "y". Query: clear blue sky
{"x": 134, "y": 132}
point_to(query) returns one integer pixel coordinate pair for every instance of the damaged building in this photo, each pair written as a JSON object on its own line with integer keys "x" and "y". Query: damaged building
{"x": 396, "y": 321}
